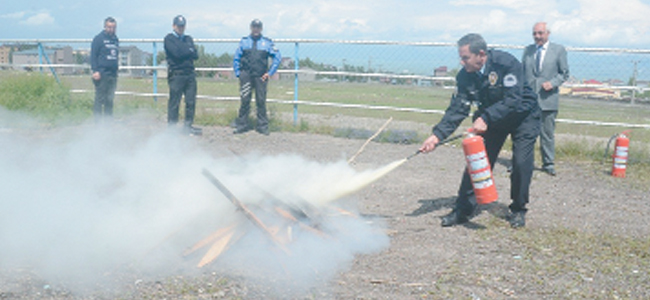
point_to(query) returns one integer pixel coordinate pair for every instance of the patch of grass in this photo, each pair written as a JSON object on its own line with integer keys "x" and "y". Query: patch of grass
{"x": 579, "y": 150}
{"x": 394, "y": 136}
{"x": 207, "y": 117}
{"x": 42, "y": 97}
{"x": 352, "y": 133}
{"x": 590, "y": 152}
{"x": 302, "y": 126}
{"x": 583, "y": 265}
{"x": 551, "y": 263}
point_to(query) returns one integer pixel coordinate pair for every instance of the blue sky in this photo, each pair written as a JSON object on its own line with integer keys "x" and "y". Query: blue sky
{"x": 621, "y": 23}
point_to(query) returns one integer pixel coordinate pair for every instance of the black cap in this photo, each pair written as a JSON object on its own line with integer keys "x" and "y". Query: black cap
{"x": 179, "y": 20}
{"x": 256, "y": 23}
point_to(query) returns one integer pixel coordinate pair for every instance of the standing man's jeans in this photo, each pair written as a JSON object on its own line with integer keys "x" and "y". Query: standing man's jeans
{"x": 247, "y": 84}
{"x": 181, "y": 84}
{"x": 104, "y": 95}
{"x": 547, "y": 139}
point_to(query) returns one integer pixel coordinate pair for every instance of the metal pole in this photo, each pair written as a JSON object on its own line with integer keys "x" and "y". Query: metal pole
{"x": 47, "y": 59}
{"x": 295, "y": 87}
{"x": 154, "y": 64}
{"x": 634, "y": 75}
{"x": 40, "y": 56}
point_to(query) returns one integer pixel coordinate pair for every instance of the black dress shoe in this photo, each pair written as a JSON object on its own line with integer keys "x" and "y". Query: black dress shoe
{"x": 550, "y": 171}
{"x": 191, "y": 130}
{"x": 517, "y": 219}
{"x": 263, "y": 131}
{"x": 453, "y": 218}
{"x": 240, "y": 130}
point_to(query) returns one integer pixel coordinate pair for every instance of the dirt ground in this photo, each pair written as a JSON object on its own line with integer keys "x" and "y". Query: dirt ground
{"x": 484, "y": 259}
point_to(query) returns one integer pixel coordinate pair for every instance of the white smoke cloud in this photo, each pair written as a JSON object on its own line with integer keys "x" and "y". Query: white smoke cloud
{"x": 83, "y": 202}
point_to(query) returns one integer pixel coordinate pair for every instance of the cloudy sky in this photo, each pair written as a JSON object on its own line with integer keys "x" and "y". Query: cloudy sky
{"x": 598, "y": 23}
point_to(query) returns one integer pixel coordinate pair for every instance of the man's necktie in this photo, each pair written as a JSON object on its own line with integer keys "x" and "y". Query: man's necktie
{"x": 538, "y": 58}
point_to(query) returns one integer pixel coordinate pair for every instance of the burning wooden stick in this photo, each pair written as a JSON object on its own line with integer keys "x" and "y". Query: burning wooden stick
{"x": 211, "y": 238}
{"x": 370, "y": 139}
{"x": 219, "y": 247}
{"x": 247, "y": 212}
{"x": 346, "y": 212}
{"x": 285, "y": 214}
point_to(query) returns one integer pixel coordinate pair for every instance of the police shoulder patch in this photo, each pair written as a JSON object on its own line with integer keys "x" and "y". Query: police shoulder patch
{"x": 510, "y": 80}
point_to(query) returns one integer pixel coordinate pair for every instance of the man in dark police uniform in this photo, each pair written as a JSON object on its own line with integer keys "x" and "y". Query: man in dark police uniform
{"x": 181, "y": 54}
{"x": 493, "y": 80}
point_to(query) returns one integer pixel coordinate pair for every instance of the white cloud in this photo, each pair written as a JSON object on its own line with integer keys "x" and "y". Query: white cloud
{"x": 519, "y": 6}
{"x": 623, "y": 22}
{"x": 579, "y": 22}
{"x": 322, "y": 18}
{"x": 16, "y": 15}
{"x": 42, "y": 18}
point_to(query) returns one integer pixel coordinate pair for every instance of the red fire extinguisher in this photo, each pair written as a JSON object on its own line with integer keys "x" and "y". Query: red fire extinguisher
{"x": 479, "y": 169}
{"x": 620, "y": 155}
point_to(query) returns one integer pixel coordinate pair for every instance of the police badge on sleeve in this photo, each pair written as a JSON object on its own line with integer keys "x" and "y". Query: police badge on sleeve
{"x": 510, "y": 80}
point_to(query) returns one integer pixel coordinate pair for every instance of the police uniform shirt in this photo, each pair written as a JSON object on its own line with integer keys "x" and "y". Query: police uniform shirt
{"x": 180, "y": 52}
{"x": 252, "y": 56}
{"x": 499, "y": 91}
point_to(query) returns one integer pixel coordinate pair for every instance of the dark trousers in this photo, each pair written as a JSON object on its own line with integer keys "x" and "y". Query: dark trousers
{"x": 547, "y": 139}
{"x": 523, "y": 137}
{"x": 104, "y": 95}
{"x": 247, "y": 84}
{"x": 179, "y": 85}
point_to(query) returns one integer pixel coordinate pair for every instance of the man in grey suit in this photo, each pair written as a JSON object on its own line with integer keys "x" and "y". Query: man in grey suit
{"x": 545, "y": 69}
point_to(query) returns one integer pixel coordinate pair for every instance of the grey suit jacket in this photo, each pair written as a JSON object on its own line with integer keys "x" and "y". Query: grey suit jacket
{"x": 554, "y": 69}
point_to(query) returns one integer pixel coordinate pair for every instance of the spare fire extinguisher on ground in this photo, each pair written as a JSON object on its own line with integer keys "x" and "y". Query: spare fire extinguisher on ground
{"x": 479, "y": 169}
{"x": 621, "y": 152}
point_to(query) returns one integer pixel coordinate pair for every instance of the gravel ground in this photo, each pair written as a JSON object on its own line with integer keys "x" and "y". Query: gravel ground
{"x": 412, "y": 198}
{"x": 484, "y": 259}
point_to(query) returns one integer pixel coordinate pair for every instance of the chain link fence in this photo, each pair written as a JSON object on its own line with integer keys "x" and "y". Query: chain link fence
{"x": 614, "y": 74}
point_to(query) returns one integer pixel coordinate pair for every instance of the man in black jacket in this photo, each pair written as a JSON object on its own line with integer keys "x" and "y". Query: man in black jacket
{"x": 181, "y": 53}
{"x": 494, "y": 81}
{"x": 104, "y": 53}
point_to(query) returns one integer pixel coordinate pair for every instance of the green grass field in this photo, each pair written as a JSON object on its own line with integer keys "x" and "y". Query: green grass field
{"x": 588, "y": 141}
{"x": 385, "y": 95}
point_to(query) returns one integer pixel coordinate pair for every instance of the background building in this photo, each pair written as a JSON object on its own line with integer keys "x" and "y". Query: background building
{"x": 133, "y": 56}
{"x": 56, "y": 56}
{"x": 5, "y": 54}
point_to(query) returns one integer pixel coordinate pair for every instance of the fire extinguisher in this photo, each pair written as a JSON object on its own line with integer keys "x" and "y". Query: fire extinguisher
{"x": 479, "y": 169}
{"x": 621, "y": 152}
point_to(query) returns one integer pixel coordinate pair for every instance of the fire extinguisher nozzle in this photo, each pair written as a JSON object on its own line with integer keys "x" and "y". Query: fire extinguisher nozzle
{"x": 414, "y": 154}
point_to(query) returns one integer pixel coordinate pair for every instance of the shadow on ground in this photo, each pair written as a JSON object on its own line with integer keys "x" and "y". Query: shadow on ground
{"x": 429, "y": 206}
{"x": 496, "y": 209}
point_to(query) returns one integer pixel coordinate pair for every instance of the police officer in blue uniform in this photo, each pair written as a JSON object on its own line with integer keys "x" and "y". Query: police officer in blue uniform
{"x": 104, "y": 53}
{"x": 181, "y": 54}
{"x": 493, "y": 80}
{"x": 251, "y": 65}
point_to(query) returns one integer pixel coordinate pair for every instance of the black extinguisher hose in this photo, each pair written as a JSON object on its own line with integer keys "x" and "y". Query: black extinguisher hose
{"x": 607, "y": 148}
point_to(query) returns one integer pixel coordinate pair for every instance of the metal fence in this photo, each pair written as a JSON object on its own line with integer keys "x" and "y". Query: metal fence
{"x": 613, "y": 73}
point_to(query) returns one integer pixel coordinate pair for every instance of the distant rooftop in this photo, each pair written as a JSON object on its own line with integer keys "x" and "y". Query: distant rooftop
{"x": 35, "y": 52}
